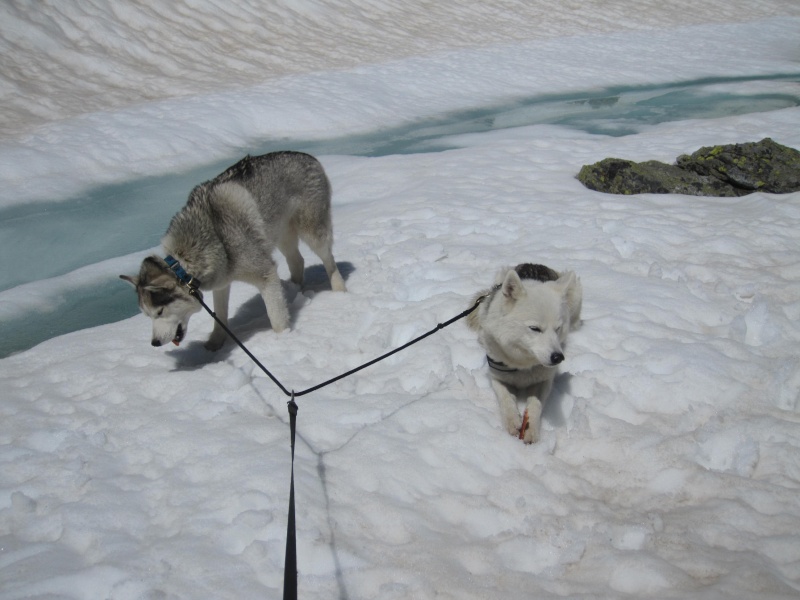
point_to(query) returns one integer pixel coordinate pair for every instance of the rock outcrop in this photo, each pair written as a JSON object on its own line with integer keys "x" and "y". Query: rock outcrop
{"x": 729, "y": 170}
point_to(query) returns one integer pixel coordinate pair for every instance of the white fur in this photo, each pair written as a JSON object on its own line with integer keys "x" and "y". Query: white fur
{"x": 523, "y": 324}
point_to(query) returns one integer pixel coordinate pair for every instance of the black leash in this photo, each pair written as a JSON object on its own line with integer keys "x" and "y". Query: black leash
{"x": 290, "y": 562}
{"x": 196, "y": 293}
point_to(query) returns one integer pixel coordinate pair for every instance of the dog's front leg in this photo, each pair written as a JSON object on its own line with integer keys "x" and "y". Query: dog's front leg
{"x": 272, "y": 293}
{"x": 534, "y": 410}
{"x": 217, "y": 337}
{"x": 509, "y": 415}
{"x": 536, "y": 395}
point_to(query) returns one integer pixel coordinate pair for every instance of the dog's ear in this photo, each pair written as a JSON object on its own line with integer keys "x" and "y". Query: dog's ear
{"x": 134, "y": 281}
{"x": 572, "y": 290}
{"x": 154, "y": 274}
{"x": 566, "y": 279}
{"x": 153, "y": 266}
{"x": 512, "y": 286}
{"x": 473, "y": 320}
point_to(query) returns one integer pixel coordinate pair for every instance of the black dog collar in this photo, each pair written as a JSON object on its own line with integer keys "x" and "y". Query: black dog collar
{"x": 499, "y": 366}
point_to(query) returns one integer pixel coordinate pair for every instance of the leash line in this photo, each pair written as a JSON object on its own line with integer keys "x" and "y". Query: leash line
{"x": 438, "y": 327}
{"x": 290, "y": 560}
{"x": 195, "y": 292}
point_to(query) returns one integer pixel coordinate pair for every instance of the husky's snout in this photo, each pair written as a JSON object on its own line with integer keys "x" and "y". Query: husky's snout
{"x": 180, "y": 333}
{"x": 556, "y": 358}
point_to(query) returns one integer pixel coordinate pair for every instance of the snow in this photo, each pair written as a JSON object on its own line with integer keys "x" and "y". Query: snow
{"x": 667, "y": 465}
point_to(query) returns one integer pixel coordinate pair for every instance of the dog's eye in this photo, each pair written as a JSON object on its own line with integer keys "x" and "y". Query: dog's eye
{"x": 535, "y": 329}
{"x": 160, "y": 311}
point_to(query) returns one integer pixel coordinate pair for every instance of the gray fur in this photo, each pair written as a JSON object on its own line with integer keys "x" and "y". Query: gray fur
{"x": 522, "y": 324}
{"x": 228, "y": 230}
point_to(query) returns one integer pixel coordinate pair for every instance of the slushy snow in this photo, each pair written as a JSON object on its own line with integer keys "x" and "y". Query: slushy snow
{"x": 668, "y": 461}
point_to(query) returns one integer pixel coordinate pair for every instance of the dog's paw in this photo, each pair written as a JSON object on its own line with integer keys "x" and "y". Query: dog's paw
{"x": 214, "y": 343}
{"x": 280, "y": 327}
{"x": 531, "y": 435}
{"x": 529, "y": 432}
{"x": 279, "y": 319}
{"x": 513, "y": 424}
{"x": 337, "y": 283}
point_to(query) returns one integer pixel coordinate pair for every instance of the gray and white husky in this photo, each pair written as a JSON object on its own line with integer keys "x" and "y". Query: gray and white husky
{"x": 227, "y": 231}
{"x": 522, "y": 324}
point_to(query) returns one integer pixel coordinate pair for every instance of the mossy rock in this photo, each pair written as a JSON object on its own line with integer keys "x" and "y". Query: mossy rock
{"x": 764, "y": 166}
{"x": 619, "y": 176}
{"x": 729, "y": 170}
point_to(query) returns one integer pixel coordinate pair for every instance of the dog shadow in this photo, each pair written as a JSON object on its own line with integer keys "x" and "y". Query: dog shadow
{"x": 315, "y": 278}
{"x": 553, "y": 410}
{"x": 250, "y": 318}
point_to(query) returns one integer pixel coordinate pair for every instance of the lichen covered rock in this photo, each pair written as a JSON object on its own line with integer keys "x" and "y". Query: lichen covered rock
{"x": 618, "y": 176}
{"x": 764, "y": 166}
{"x": 729, "y": 170}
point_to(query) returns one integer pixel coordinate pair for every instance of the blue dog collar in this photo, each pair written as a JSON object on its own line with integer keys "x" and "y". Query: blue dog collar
{"x": 181, "y": 273}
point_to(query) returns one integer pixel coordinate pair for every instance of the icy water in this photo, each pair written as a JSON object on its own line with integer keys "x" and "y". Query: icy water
{"x": 42, "y": 241}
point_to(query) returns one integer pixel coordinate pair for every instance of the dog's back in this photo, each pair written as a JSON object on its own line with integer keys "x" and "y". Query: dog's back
{"x": 278, "y": 182}
{"x": 536, "y": 272}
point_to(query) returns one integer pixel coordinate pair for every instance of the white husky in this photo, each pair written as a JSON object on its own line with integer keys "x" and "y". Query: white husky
{"x": 522, "y": 324}
{"x": 227, "y": 232}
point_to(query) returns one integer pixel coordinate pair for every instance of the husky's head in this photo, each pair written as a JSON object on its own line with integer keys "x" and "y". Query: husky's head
{"x": 525, "y": 322}
{"x": 164, "y": 299}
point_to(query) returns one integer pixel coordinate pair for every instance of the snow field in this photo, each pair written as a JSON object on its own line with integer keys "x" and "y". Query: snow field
{"x": 666, "y": 466}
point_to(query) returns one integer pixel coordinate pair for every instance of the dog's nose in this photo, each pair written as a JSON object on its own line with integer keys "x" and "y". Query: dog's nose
{"x": 156, "y": 343}
{"x": 556, "y": 358}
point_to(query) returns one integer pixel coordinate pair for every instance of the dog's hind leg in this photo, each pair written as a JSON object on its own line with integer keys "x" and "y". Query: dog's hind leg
{"x": 322, "y": 247}
{"x": 217, "y": 337}
{"x": 509, "y": 415}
